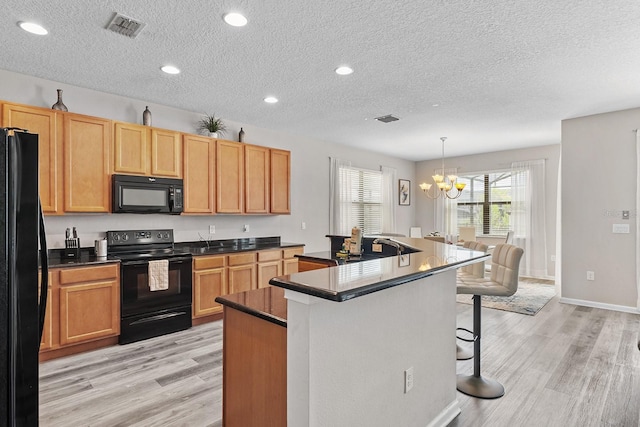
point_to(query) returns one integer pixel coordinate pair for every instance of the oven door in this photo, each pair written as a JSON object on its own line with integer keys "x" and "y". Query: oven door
{"x": 138, "y": 298}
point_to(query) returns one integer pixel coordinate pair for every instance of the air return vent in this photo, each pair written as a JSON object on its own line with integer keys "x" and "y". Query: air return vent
{"x": 126, "y": 26}
{"x": 387, "y": 119}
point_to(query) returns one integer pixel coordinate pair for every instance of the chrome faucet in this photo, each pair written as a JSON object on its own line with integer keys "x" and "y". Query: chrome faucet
{"x": 202, "y": 239}
{"x": 399, "y": 248}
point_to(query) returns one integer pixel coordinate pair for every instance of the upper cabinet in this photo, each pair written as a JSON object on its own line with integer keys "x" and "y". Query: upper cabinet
{"x": 166, "y": 153}
{"x": 199, "y": 174}
{"x": 256, "y": 179}
{"x": 229, "y": 177}
{"x": 130, "y": 148}
{"x": 47, "y": 124}
{"x": 280, "y": 181}
{"x": 142, "y": 150}
{"x": 87, "y": 160}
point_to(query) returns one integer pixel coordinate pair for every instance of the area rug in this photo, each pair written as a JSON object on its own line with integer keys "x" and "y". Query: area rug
{"x": 529, "y": 299}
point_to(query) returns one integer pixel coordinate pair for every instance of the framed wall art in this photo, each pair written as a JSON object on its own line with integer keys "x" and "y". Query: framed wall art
{"x": 404, "y": 192}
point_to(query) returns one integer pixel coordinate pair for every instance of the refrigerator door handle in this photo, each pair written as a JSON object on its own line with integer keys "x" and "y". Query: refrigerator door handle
{"x": 44, "y": 265}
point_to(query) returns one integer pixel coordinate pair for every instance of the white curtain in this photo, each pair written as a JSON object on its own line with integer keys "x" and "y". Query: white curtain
{"x": 528, "y": 215}
{"x": 638, "y": 217}
{"x": 339, "y": 209}
{"x": 388, "y": 199}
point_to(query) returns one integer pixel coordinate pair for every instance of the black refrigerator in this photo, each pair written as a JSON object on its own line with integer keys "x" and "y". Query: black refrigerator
{"x": 22, "y": 297}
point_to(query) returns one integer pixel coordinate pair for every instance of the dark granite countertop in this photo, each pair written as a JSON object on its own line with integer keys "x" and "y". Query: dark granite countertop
{"x": 355, "y": 279}
{"x": 215, "y": 247}
{"x": 267, "y": 303}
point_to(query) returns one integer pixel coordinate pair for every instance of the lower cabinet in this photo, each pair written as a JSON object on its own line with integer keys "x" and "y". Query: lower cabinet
{"x": 209, "y": 282}
{"x": 242, "y": 272}
{"x": 83, "y": 306}
{"x": 269, "y": 266}
{"x": 289, "y": 259}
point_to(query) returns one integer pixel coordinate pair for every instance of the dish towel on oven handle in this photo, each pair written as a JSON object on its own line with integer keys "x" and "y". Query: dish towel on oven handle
{"x": 159, "y": 275}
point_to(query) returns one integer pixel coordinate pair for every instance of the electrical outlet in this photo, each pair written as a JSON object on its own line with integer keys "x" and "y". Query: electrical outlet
{"x": 246, "y": 228}
{"x": 591, "y": 275}
{"x": 553, "y": 258}
{"x": 303, "y": 225}
{"x": 408, "y": 380}
{"x": 212, "y": 229}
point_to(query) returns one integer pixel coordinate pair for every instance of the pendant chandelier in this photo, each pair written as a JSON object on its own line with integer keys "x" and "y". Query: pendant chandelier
{"x": 444, "y": 185}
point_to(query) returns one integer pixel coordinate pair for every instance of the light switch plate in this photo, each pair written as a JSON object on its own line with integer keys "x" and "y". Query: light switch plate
{"x": 621, "y": 228}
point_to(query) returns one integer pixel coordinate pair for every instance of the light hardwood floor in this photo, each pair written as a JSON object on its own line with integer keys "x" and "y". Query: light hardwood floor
{"x": 566, "y": 366}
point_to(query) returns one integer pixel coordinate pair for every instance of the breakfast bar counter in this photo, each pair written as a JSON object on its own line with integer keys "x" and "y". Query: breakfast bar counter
{"x": 354, "y": 332}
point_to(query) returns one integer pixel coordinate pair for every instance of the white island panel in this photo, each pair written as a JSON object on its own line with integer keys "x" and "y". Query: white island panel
{"x": 346, "y": 360}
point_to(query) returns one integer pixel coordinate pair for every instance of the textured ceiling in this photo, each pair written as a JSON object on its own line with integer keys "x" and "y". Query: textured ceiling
{"x": 504, "y": 73}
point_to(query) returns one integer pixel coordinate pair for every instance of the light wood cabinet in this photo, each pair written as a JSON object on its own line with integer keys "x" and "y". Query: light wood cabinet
{"x": 242, "y": 272}
{"x": 229, "y": 177}
{"x": 166, "y": 153}
{"x": 209, "y": 282}
{"x": 269, "y": 266}
{"x": 280, "y": 178}
{"x": 87, "y": 171}
{"x": 89, "y": 303}
{"x": 256, "y": 180}
{"x": 47, "y": 124}
{"x": 130, "y": 148}
{"x": 199, "y": 159}
{"x": 142, "y": 150}
{"x": 289, "y": 259}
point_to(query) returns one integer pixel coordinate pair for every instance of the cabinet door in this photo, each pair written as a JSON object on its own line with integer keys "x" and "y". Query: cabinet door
{"x": 130, "y": 149}
{"x": 280, "y": 181}
{"x": 87, "y": 174}
{"x": 89, "y": 303}
{"x": 267, "y": 271}
{"x": 199, "y": 168}
{"x": 229, "y": 177}
{"x": 207, "y": 285}
{"x": 242, "y": 278}
{"x": 47, "y": 124}
{"x": 290, "y": 266}
{"x": 166, "y": 153}
{"x": 256, "y": 167}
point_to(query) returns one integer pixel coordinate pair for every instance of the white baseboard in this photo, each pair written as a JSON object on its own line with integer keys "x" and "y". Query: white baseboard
{"x": 447, "y": 415}
{"x": 613, "y": 307}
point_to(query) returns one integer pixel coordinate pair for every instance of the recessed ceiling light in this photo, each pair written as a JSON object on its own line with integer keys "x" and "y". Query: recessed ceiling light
{"x": 170, "y": 69}
{"x": 344, "y": 70}
{"x": 33, "y": 28}
{"x": 235, "y": 19}
{"x": 436, "y": 105}
{"x": 271, "y": 100}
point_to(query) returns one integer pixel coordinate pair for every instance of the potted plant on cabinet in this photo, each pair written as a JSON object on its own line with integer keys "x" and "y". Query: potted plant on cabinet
{"x": 212, "y": 125}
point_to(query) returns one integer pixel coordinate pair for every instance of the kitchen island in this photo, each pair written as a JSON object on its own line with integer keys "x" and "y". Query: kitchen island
{"x": 354, "y": 332}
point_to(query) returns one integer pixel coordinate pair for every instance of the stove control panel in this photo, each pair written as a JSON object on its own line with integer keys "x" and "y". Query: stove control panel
{"x": 138, "y": 237}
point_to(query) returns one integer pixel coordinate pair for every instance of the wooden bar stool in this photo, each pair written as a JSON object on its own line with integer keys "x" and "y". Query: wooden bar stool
{"x": 505, "y": 263}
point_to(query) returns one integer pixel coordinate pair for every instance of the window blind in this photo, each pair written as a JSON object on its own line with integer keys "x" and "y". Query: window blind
{"x": 364, "y": 194}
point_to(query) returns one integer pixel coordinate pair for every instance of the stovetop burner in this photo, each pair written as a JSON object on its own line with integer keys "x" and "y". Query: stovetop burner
{"x": 142, "y": 244}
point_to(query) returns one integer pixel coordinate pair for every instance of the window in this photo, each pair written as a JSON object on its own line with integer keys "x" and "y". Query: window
{"x": 365, "y": 199}
{"x": 485, "y": 203}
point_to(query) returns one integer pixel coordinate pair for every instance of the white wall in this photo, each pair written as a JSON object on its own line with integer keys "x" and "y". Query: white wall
{"x": 309, "y": 170}
{"x": 598, "y": 182}
{"x": 500, "y": 160}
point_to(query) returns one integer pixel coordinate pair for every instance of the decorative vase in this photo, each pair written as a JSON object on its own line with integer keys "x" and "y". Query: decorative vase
{"x": 213, "y": 134}
{"x": 241, "y": 135}
{"x": 146, "y": 117}
{"x": 59, "y": 105}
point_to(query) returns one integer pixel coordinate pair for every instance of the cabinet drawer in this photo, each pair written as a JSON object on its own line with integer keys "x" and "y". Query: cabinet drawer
{"x": 244, "y": 258}
{"x": 291, "y": 252}
{"x": 273, "y": 255}
{"x": 87, "y": 274}
{"x": 206, "y": 262}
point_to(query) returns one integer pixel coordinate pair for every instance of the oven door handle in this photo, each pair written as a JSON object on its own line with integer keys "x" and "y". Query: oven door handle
{"x": 172, "y": 261}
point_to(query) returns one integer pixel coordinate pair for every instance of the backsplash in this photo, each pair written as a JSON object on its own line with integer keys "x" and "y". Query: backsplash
{"x": 186, "y": 228}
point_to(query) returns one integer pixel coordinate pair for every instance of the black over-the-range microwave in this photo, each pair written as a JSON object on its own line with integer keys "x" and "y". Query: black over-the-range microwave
{"x": 144, "y": 194}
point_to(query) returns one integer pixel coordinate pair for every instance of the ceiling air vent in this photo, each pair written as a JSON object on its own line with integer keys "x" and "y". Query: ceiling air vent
{"x": 387, "y": 119}
{"x": 126, "y": 26}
